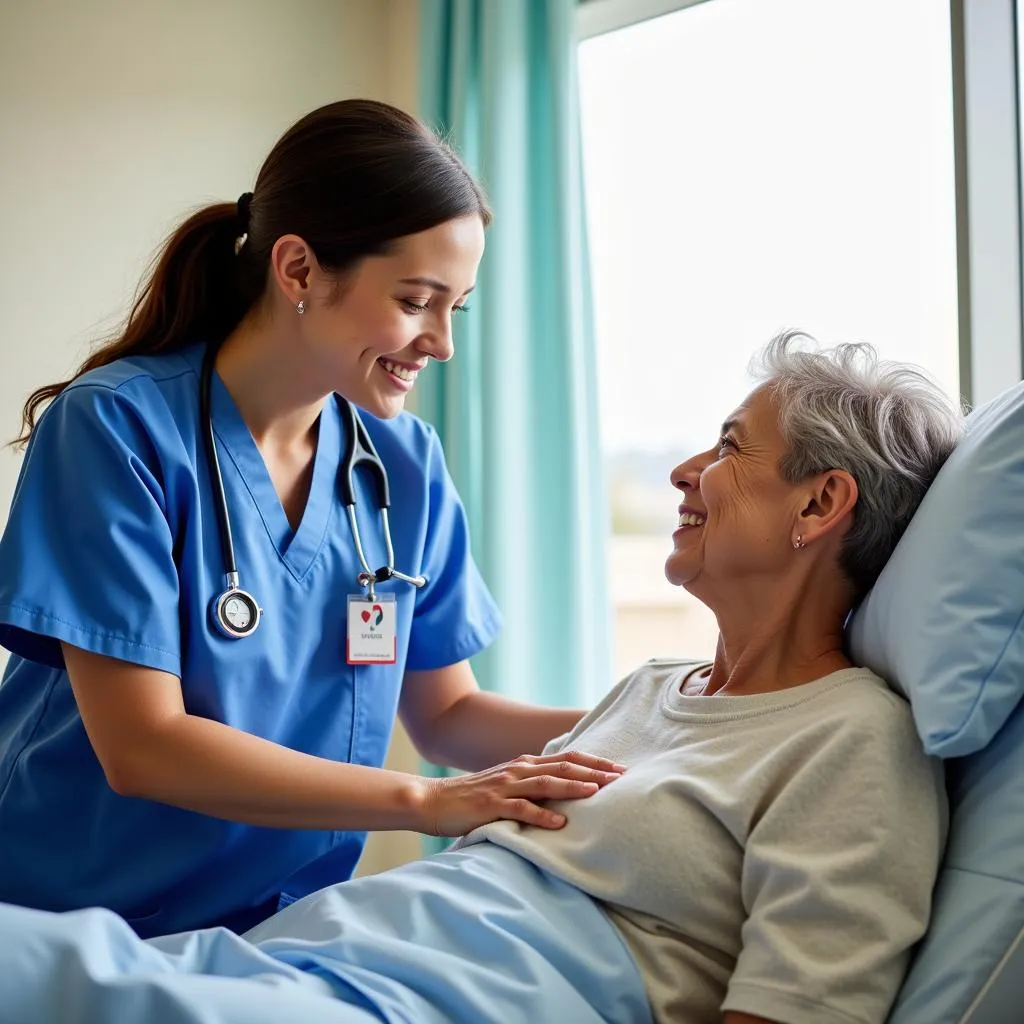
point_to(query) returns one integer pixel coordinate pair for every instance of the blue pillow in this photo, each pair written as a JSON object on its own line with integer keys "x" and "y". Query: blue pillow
{"x": 944, "y": 623}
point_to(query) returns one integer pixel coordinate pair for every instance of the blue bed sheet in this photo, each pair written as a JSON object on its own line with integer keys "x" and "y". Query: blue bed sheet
{"x": 476, "y": 935}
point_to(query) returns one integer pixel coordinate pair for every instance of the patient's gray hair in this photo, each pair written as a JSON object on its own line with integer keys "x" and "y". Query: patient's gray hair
{"x": 886, "y": 423}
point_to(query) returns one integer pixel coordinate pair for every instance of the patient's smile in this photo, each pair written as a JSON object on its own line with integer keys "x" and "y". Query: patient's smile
{"x": 690, "y": 517}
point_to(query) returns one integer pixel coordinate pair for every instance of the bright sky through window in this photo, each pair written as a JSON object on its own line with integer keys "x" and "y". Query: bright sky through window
{"x": 759, "y": 164}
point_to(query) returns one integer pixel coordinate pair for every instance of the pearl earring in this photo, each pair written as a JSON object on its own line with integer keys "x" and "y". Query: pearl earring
{"x": 300, "y": 307}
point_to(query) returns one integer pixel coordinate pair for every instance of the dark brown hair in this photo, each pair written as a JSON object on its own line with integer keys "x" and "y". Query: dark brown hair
{"x": 349, "y": 178}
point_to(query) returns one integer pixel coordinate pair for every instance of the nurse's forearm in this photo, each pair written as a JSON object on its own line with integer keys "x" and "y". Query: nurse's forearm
{"x": 150, "y": 748}
{"x": 210, "y": 768}
{"x": 483, "y": 729}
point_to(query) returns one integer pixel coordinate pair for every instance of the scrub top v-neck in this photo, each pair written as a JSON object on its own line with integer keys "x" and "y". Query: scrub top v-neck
{"x": 297, "y": 547}
{"x": 112, "y": 545}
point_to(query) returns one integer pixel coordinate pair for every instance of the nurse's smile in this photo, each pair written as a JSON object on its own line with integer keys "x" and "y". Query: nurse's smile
{"x": 401, "y": 375}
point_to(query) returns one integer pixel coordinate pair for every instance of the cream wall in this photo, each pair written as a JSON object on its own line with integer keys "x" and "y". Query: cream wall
{"x": 116, "y": 117}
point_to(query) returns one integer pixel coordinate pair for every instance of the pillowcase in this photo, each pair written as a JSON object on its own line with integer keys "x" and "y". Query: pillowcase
{"x": 944, "y": 623}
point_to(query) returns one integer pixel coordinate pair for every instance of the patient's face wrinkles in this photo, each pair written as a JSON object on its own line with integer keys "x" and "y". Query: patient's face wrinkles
{"x": 749, "y": 508}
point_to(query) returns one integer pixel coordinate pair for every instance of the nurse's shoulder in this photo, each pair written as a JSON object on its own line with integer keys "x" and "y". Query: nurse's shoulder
{"x": 147, "y": 402}
{"x": 139, "y": 378}
{"x": 158, "y": 366}
{"x": 132, "y": 422}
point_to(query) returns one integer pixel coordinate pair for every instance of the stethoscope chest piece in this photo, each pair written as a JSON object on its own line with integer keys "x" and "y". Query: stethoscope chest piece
{"x": 235, "y": 613}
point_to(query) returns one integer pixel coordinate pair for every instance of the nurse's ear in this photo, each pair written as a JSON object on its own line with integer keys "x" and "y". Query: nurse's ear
{"x": 293, "y": 268}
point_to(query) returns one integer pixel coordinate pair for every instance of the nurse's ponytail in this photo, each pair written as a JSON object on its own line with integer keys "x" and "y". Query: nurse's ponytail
{"x": 348, "y": 178}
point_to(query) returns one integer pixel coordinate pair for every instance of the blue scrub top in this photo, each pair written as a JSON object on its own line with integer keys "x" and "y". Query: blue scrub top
{"x": 112, "y": 545}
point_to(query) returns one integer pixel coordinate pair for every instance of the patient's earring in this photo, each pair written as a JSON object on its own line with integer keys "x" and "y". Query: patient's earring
{"x": 798, "y": 543}
{"x": 300, "y": 307}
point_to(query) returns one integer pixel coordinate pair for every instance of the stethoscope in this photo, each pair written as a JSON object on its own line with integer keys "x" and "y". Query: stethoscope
{"x": 235, "y": 612}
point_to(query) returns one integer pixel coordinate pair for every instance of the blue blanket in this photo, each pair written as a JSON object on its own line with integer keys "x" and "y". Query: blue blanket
{"x": 476, "y": 936}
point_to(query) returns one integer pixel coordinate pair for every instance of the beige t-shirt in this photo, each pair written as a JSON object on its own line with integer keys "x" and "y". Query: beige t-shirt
{"x": 772, "y": 854}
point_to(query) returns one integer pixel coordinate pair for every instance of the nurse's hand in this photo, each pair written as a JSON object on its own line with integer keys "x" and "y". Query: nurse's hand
{"x": 455, "y": 806}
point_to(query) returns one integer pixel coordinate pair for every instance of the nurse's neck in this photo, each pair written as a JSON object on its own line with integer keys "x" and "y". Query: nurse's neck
{"x": 277, "y": 396}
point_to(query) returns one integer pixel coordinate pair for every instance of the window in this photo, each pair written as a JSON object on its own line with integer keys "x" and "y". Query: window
{"x": 752, "y": 166}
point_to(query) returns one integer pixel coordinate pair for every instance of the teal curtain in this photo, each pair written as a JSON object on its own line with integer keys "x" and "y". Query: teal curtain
{"x": 516, "y": 408}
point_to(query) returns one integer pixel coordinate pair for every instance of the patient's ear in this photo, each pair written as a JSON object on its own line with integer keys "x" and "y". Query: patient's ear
{"x": 829, "y": 500}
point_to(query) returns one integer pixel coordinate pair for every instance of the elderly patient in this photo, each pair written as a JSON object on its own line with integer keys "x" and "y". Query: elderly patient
{"x": 770, "y": 852}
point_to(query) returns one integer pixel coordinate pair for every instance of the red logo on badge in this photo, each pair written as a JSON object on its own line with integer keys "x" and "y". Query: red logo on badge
{"x": 376, "y": 610}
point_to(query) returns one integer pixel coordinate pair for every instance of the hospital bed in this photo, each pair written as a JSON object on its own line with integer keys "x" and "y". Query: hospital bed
{"x": 945, "y": 624}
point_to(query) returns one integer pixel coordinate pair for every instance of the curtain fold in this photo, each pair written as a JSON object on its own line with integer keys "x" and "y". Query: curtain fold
{"x": 517, "y": 408}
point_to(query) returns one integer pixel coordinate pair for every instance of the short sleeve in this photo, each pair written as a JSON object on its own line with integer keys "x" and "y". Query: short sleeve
{"x": 838, "y": 876}
{"x": 87, "y": 553}
{"x": 455, "y": 616}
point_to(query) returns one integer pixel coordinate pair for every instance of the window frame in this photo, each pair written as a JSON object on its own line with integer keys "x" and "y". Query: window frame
{"x": 987, "y": 163}
{"x": 596, "y": 17}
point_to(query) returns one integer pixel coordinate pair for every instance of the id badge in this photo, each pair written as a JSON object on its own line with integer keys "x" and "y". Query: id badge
{"x": 372, "y": 630}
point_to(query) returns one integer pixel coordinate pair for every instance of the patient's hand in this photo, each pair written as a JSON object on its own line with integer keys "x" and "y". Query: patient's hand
{"x": 455, "y": 806}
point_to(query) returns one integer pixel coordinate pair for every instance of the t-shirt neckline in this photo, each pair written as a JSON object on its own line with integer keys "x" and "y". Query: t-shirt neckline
{"x": 721, "y": 707}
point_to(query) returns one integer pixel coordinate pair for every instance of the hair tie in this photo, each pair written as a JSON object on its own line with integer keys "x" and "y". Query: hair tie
{"x": 242, "y": 213}
{"x": 244, "y": 202}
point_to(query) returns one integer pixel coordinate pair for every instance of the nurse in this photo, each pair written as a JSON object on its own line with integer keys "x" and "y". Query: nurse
{"x": 204, "y": 675}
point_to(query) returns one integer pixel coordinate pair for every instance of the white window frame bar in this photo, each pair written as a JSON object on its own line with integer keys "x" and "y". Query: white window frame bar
{"x": 596, "y": 17}
{"x": 987, "y": 145}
